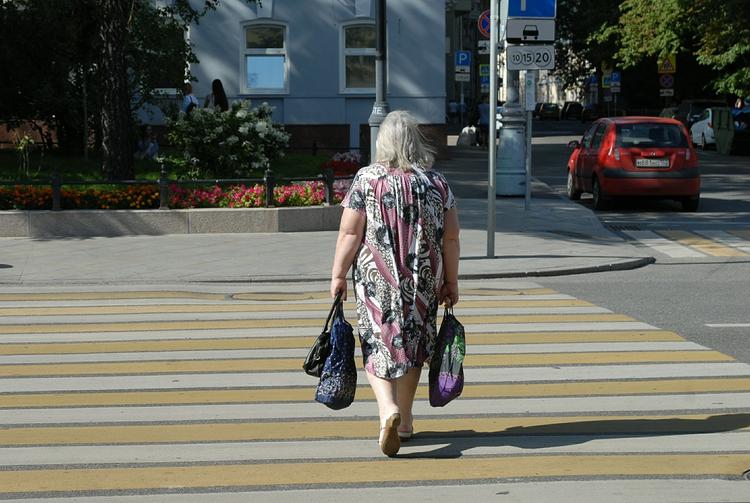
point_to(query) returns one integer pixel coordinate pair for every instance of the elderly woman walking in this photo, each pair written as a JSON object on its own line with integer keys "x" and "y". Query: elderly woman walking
{"x": 400, "y": 231}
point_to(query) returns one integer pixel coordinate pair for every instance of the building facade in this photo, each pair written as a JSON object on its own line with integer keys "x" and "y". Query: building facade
{"x": 314, "y": 62}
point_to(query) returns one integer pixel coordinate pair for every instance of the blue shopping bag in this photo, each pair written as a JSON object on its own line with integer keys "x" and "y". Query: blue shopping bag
{"x": 338, "y": 379}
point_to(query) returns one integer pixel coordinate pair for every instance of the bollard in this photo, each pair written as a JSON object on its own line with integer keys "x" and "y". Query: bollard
{"x": 163, "y": 187}
{"x": 328, "y": 179}
{"x": 56, "y": 189}
{"x": 268, "y": 180}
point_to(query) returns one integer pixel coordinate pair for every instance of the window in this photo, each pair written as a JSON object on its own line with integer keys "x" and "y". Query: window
{"x": 264, "y": 59}
{"x": 358, "y": 58}
{"x": 597, "y": 141}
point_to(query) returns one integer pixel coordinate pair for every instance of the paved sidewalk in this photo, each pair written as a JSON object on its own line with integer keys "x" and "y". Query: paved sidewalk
{"x": 554, "y": 237}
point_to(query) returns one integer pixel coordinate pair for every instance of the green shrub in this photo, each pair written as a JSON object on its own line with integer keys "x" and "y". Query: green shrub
{"x": 231, "y": 144}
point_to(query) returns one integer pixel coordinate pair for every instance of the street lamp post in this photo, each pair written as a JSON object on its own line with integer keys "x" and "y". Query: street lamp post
{"x": 380, "y": 108}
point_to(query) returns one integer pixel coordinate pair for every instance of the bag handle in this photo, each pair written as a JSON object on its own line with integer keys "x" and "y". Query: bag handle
{"x": 337, "y": 303}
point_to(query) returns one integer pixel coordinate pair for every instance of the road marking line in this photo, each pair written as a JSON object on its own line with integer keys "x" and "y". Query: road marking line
{"x": 703, "y": 245}
{"x": 728, "y": 325}
{"x": 350, "y": 472}
{"x": 727, "y": 239}
{"x": 475, "y": 445}
{"x": 223, "y": 396}
{"x": 647, "y": 424}
{"x": 219, "y": 354}
{"x": 281, "y": 364}
{"x": 279, "y": 323}
{"x": 662, "y": 245}
{"x": 197, "y": 344}
{"x": 298, "y": 378}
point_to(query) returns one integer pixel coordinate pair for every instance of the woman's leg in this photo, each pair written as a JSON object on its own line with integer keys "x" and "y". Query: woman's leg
{"x": 390, "y": 419}
{"x": 406, "y": 387}
{"x": 385, "y": 394}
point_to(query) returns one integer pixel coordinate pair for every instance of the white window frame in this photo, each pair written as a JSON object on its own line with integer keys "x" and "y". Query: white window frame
{"x": 344, "y": 52}
{"x": 244, "y": 52}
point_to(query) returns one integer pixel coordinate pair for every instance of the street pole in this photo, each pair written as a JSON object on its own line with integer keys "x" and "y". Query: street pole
{"x": 492, "y": 162}
{"x": 380, "y": 108}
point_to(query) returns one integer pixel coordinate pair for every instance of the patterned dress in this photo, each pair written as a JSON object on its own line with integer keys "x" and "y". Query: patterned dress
{"x": 398, "y": 270}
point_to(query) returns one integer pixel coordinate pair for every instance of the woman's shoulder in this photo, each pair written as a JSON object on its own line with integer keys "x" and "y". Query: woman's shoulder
{"x": 374, "y": 170}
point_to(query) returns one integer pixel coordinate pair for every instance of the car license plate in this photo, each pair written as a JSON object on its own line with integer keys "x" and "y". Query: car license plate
{"x": 652, "y": 163}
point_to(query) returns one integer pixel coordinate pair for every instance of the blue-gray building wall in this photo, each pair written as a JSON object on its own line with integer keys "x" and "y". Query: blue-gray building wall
{"x": 416, "y": 58}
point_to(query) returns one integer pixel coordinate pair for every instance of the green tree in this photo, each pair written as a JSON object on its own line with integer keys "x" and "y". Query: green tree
{"x": 714, "y": 32}
{"x": 579, "y": 52}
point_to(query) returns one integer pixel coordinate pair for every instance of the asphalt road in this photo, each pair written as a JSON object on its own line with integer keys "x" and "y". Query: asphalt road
{"x": 688, "y": 295}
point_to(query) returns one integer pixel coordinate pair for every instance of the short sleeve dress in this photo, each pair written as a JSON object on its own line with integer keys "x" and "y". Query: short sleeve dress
{"x": 398, "y": 269}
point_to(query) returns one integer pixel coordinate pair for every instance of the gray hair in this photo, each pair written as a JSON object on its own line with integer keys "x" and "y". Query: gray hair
{"x": 401, "y": 144}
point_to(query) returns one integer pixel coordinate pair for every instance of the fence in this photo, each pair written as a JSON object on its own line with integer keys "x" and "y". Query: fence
{"x": 269, "y": 180}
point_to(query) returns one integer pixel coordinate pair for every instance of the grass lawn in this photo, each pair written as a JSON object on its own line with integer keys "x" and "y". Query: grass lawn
{"x": 76, "y": 168}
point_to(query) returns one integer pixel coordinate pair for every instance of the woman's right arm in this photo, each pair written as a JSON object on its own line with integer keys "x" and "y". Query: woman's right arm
{"x": 350, "y": 237}
{"x": 451, "y": 253}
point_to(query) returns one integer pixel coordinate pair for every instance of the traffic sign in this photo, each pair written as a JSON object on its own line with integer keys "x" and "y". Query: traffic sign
{"x": 484, "y": 70}
{"x": 615, "y": 77}
{"x": 614, "y": 88}
{"x": 530, "y": 57}
{"x": 666, "y": 80}
{"x": 463, "y": 62}
{"x": 530, "y": 30}
{"x": 483, "y": 23}
{"x": 668, "y": 64}
{"x": 532, "y": 8}
{"x": 483, "y": 46}
{"x": 666, "y": 92}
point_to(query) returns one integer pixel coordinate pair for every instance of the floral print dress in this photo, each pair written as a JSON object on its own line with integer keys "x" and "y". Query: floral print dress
{"x": 398, "y": 269}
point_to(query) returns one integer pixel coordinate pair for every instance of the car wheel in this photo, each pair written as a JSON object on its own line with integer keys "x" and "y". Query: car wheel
{"x": 690, "y": 203}
{"x": 703, "y": 142}
{"x": 573, "y": 194}
{"x": 600, "y": 201}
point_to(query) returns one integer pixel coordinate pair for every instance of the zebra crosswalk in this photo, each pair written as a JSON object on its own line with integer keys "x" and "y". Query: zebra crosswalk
{"x": 135, "y": 396}
{"x": 681, "y": 244}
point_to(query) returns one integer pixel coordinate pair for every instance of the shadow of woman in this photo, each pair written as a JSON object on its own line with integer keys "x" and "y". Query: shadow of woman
{"x": 570, "y": 433}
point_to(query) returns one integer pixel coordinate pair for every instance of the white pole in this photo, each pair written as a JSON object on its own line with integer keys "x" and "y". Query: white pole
{"x": 491, "y": 144}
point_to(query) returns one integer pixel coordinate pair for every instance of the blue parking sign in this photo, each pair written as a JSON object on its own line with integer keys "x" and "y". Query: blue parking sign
{"x": 532, "y": 8}
{"x": 463, "y": 58}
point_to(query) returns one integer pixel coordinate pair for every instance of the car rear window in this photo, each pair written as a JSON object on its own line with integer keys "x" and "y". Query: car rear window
{"x": 650, "y": 134}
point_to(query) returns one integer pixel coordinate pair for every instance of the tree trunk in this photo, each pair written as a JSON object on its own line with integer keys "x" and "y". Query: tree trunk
{"x": 117, "y": 147}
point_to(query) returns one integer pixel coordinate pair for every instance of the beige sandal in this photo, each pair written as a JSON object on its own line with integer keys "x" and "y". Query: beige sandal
{"x": 389, "y": 440}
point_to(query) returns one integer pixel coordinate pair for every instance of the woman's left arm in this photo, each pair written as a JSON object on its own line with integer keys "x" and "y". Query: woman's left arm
{"x": 350, "y": 237}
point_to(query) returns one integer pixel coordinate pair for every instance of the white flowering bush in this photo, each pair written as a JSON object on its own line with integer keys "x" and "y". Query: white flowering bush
{"x": 233, "y": 144}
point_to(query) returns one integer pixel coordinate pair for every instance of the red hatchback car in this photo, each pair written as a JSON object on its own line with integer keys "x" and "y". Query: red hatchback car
{"x": 635, "y": 157}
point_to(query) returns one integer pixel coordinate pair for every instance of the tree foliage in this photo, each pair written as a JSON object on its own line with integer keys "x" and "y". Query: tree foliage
{"x": 715, "y": 32}
{"x": 60, "y": 53}
{"x": 579, "y": 52}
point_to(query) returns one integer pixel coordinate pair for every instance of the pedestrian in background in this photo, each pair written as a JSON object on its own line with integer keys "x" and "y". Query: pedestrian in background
{"x": 217, "y": 98}
{"x": 400, "y": 231}
{"x": 189, "y": 101}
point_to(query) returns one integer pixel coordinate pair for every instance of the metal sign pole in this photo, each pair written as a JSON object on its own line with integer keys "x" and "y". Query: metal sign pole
{"x": 491, "y": 144}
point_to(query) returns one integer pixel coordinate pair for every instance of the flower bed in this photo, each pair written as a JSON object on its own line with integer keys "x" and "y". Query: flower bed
{"x": 241, "y": 196}
{"x": 30, "y": 197}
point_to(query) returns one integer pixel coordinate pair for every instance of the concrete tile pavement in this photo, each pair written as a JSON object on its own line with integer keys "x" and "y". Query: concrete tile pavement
{"x": 553, "y": 237}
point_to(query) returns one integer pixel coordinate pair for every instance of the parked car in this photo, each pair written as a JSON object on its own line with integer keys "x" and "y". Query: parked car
{"x": 634, "y": 157}
{"x": 537, "y": 110}
{"x": 668, "y": 112}
{"x": 550, "y": 111}
{"x": 741, "y": 143}
{"x": 689, "y": 110}
{"x": 571, "y": 110}
{"x": 702, "y": 131}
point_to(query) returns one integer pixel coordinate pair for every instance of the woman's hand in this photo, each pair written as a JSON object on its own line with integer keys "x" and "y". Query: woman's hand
{"x": 338, "y": 285}
{"x": 449, "y": 294}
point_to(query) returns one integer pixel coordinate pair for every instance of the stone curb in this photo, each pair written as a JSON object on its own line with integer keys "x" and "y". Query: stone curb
{"x": 111, "y": 223}
{"x": 624, "y": 265}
